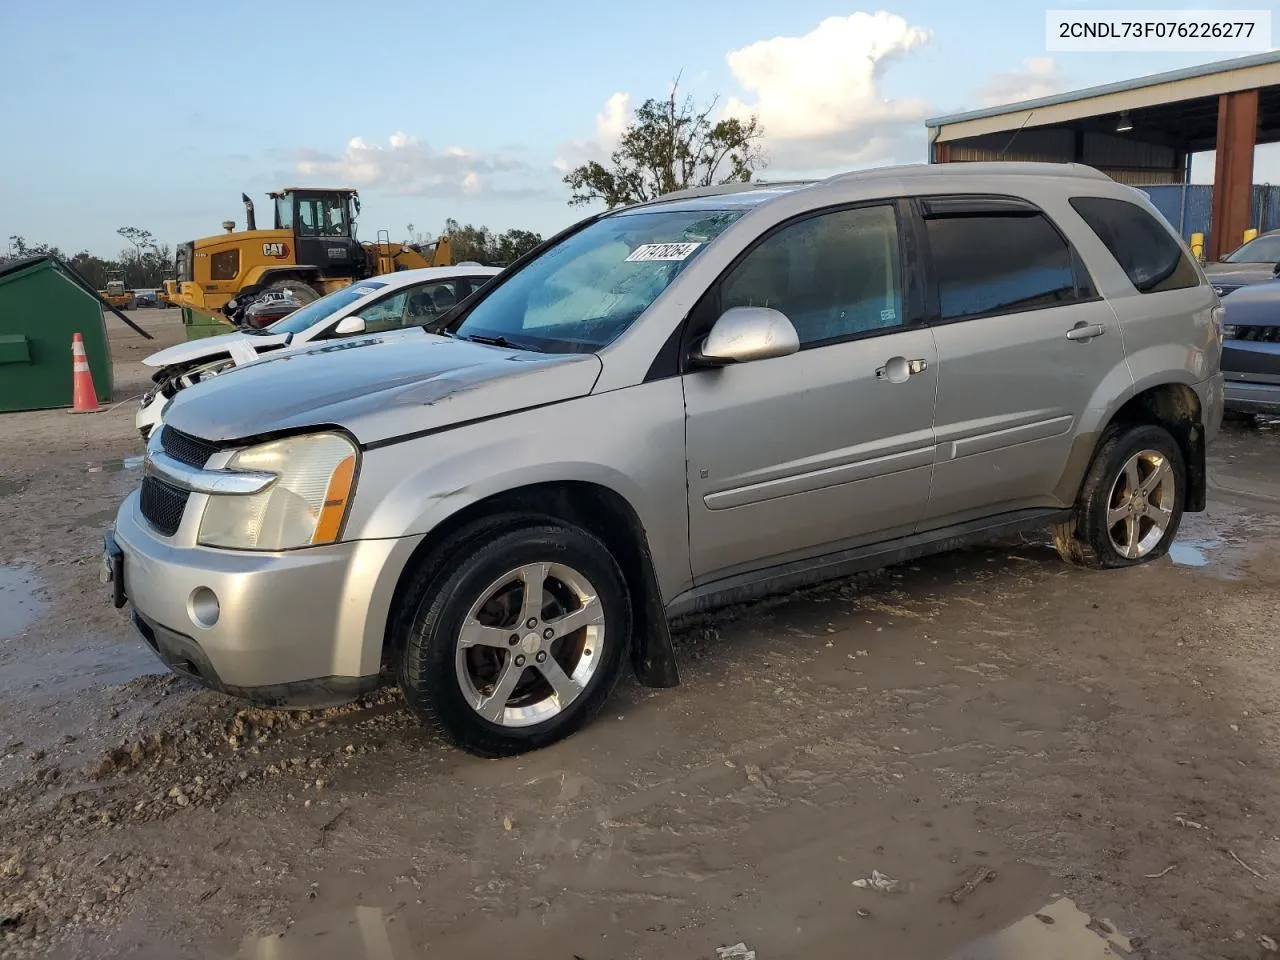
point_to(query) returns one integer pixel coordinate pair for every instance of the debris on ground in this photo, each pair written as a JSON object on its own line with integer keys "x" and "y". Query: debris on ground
{"x": 1156, "y": 876}
{"x": 1268, "y": 943}
{"x": 738, "y": 951}
{"x": 980, "y": 876}
{"x": 1232, "y": 853}
{"x": 878, "y": 881}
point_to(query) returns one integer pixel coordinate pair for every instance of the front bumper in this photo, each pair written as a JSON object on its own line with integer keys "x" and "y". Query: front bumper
{"x": 1246, "y": 397}
{"x": 294, "y": 628}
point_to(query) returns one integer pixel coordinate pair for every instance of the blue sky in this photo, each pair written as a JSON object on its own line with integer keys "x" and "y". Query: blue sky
{"x": 158, "y": 115}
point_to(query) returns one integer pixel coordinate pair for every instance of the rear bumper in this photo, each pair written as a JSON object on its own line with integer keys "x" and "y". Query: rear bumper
{"x": 1212, "y": 404}
{"x": 1246, "y": 397}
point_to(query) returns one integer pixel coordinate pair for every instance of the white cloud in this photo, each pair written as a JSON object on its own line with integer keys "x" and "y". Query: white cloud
{"x": 610, "y": 123}
{"x": 1037, "y": 77}
{"x": 405, "y": 166}
{"x": 818, "y": 96}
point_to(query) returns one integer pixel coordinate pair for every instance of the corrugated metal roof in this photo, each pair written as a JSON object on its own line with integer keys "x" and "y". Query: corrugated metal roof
{"x": 1155, "y": 79}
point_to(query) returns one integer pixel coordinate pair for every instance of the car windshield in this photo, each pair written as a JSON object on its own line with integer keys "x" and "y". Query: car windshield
{"x": 1257, "y": 250}
{"x": 585, "y": 291}
{"x": 317, "y": 310}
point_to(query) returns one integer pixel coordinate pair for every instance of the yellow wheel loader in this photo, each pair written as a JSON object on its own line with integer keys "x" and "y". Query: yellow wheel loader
{"x": 311, "y": 250}
{"x": 117, "y": 294}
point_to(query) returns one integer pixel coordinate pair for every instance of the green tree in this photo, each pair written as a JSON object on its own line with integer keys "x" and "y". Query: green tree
{"x": 148, "y": 263}
{"x": 671, "y": 145}
{"x": 514, "y": 244}
{"x": 469, "y": 242}
{"x": 19, "y": 249}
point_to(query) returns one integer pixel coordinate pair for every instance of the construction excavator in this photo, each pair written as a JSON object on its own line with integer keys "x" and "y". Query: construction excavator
{"x": 311, "y": 250}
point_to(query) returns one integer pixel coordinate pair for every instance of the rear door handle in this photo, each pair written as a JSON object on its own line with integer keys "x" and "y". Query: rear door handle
{"x": 898, "y": 369}
{"x": 1086, "y": 331}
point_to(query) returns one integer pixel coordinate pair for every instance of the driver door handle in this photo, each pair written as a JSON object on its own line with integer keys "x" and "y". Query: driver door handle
{"x": 1086, "y": 331}
{"x": 898, "y": 369}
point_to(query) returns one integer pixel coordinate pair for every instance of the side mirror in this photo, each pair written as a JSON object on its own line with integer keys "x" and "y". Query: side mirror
{"x": 348, "y": 326}
{"x": 1275, "y": 271}
{"x": 743, "y": 334}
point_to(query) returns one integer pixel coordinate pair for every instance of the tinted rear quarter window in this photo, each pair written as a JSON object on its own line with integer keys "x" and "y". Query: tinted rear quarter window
{"x": 1144, "y": 248}
{"x": 991, "y": 264}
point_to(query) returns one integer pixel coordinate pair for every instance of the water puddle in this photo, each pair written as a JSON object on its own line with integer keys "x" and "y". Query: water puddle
{"x": 19, "y": 605}
{"x": 1058, "y": 931}
{"x": 1193, "y": 553}
{"x": 117, "y": 465}
{"x": 367, "y": 933}
{"x": 60, "y": 671}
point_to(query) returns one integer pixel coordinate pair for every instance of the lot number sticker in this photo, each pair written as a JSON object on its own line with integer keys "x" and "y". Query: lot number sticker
{"x": 663, "y": 251}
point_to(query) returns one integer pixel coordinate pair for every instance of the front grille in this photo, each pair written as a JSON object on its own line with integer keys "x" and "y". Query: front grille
{"x": 162, "y": 504}
{"x": 185, "y": 448}
{"x": 1258, "y": 334}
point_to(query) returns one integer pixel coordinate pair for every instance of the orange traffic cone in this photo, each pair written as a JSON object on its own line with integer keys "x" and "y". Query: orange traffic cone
{"x": 85, "y": 398}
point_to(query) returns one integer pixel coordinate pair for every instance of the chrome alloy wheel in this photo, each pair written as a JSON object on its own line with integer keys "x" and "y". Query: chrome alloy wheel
{"x": 530, "y": 644}
{"x": 1140, "y": 508}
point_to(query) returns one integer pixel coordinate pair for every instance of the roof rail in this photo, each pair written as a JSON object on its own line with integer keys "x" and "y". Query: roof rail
{"x": 721, "y": 189}
{"x": 975, "y": 168}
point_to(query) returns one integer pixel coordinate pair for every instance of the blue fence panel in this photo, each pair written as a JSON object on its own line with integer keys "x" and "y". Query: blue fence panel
{"x": 1186, "y": 206}
{"x": 1189, "y": 207}
{"x": 1266, "y": 207}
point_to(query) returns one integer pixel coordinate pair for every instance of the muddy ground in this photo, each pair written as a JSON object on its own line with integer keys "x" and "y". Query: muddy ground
{"x": 989, "y": 716}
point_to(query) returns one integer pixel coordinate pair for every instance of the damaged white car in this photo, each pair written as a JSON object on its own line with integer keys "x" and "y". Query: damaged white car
{"x": 381, "y": 304}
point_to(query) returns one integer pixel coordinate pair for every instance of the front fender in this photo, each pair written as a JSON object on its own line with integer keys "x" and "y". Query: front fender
{"x": 630, "y": 442}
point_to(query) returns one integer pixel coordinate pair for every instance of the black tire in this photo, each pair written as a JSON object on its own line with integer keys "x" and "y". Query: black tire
{"x": 434, "y": 606}
{"x": 1085, "y": 540}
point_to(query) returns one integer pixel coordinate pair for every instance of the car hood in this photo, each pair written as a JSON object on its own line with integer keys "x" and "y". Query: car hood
{"x": 378, "y": 387}
{"x": 1239, "y": 273}
{"x": 207, "y": 348}
{"x": 1257, "y": 305}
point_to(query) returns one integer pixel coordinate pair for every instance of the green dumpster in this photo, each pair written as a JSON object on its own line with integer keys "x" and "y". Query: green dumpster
{"x": 198, "y": 325}
{"x": 43, "y": 302}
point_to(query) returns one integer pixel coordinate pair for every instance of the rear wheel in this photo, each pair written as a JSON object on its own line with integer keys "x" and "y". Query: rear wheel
{"x": 518, "y": 641}
{"x": 1130, "y": 506}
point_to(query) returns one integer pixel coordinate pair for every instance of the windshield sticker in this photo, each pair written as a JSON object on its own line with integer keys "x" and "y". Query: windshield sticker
{"x": 889, "y": 315}
{"x": 365, "y": 291}
{"x": 663, "y": 251}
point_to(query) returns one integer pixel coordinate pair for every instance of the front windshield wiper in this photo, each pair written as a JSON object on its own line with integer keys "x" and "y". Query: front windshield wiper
{"x": 495, "y": 341}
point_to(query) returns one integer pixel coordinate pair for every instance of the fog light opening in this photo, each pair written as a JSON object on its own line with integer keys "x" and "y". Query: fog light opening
{"x": 203, "y": 607}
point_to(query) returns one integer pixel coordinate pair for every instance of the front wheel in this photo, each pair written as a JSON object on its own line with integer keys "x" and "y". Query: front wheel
{"x": 1130, "y": 506}
{"x": 519, "y": 640}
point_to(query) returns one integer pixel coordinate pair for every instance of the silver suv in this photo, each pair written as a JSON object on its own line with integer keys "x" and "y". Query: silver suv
{"x": 720, "y": 394}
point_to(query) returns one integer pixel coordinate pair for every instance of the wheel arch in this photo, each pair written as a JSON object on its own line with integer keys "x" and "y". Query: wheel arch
{"x": 1173, "y": 405}
{"x": 260, "y": 277}
{"x": 595, "y": 508}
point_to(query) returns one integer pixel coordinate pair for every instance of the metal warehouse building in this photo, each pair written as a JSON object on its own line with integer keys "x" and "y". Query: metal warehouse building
{"x": 1141, "y": 132}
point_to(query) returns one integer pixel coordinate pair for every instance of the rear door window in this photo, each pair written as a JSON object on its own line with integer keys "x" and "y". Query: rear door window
{"x": 988, "y": 264}
{"x": 1144, "y": 247}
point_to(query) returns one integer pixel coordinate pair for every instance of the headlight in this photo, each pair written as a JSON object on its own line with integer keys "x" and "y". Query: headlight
{"x": 305, "y": 506}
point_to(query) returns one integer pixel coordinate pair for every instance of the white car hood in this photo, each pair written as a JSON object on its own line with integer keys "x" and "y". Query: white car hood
{"x": 243, "y": 347}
